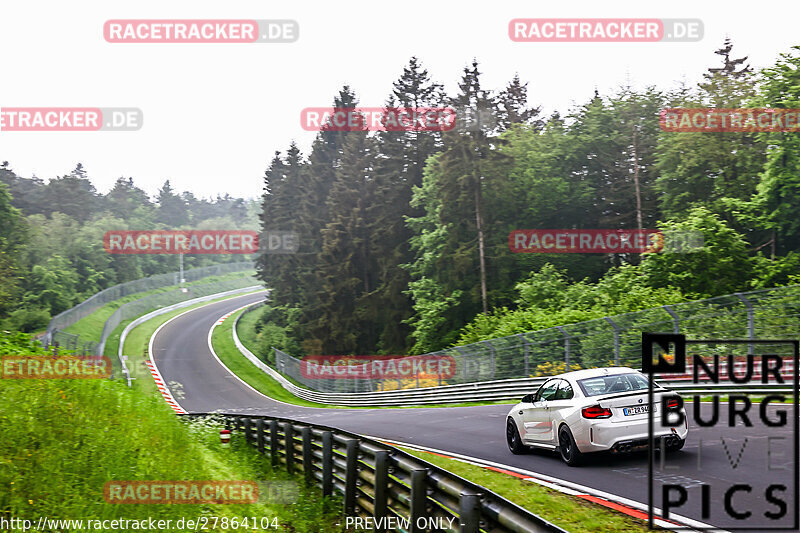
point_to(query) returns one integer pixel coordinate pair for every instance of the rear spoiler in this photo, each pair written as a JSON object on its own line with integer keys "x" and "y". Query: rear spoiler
{"x": 624, "y": 394}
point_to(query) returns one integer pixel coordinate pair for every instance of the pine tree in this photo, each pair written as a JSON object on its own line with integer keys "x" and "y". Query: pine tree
{"x": 513, "y": 106}
{"x": 73, "y": 195}
{"x": 172, "y": 210}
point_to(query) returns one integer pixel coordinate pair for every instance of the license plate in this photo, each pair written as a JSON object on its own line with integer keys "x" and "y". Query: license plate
{"x": 638, "y": 410}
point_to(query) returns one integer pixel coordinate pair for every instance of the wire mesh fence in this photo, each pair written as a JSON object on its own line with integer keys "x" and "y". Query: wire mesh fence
{"x": 607, "y": 341}
{"x": 88, "y": 306}
{"x": 61, "y": 340}
{"x": 154, "y": 301}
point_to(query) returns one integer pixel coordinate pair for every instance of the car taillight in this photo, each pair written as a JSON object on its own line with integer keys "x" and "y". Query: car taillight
{"x": 596, "y": 411}
{"x": 672, "y": 403}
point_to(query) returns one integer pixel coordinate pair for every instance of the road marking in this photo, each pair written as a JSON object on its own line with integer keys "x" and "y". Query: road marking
{"x": 151, "y": 364}
{"x": 624, "y": 505}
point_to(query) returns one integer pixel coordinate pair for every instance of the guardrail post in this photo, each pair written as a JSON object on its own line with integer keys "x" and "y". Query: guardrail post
{"x": 616, "y": 340}
{"x": 308, "y": 456}
{"x": 566, "y": 347}
{"x": 469, "y": 512}
{"x": 327, "y": 463}
{"x": 273, "y": 442}
{"x": 492, "y": 356}
{"x": 247, "y": 434}
{"x": 676, "y": 321}
{"x": 526, "y": 350}
{"x": 288, "y": 433}
{"x": 351, "y": 477}
{"x": 751, "y": 321}
{"x": 419, "y": 498}
{"x": 465, "y": 374}
{"x": 260, "y": 435}
{"x": 380, "y": 498}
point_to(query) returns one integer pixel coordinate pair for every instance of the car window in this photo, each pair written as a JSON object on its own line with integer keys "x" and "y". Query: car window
{"x": 564, "y": 391}
{"x": 548, "y": 390}
{"x": 615, "y": 383}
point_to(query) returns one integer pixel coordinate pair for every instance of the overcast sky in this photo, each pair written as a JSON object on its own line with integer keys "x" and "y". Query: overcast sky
{"x": 214, "y": 114}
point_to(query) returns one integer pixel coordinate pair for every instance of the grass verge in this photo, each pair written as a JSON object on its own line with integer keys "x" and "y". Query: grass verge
{"x": 222, "y": 340}
{"x": 568, "y": 512}
{"x": 71, "y": 437}
{"x": 91, "y": 326}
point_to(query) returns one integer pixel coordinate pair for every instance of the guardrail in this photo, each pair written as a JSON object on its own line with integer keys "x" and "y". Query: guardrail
{"x": 506, "y": 389}
{"x": 380, "y": 481}
{"x": 607, "y": 341}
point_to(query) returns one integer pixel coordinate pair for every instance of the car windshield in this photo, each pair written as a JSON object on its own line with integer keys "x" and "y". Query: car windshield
{"x": 612, "y": 384}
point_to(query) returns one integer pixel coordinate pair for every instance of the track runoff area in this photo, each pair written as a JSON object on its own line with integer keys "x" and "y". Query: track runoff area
{"x": 737, "y": 472}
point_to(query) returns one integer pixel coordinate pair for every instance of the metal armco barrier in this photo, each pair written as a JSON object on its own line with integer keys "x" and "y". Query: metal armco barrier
{"x": 507, "y": 389}
{"x": 378, "y": 480}
{"x": 606, "y": 341}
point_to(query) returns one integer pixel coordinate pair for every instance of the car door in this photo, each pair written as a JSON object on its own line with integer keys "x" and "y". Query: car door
{"x": 558, "y": 407}
{"x": 536, "y": 416}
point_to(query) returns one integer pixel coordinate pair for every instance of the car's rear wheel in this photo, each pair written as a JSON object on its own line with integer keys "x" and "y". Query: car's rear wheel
{"x": 569, "y": 450}
{"x": 513, "y": 439}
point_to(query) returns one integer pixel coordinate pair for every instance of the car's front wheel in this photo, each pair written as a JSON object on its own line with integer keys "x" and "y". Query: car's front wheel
{"x": 513, "y": 439}
{"x": 569, "y": 450}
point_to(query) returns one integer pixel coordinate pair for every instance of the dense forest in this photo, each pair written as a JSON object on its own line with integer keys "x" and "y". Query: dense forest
{"x": 404, "y": 234}
{"x": 51, "y": 243}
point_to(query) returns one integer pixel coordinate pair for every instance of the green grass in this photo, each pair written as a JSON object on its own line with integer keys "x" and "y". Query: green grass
{"x": 90, "y": 327}
{"x": 222, "y": 340}
{"x": 247, "y": 330}
{"x": 67, "y": 438}
{"x": 568, "y": 512}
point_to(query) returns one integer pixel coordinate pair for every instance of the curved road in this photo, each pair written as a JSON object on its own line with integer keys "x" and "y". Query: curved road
{"x": 730, "y": 455}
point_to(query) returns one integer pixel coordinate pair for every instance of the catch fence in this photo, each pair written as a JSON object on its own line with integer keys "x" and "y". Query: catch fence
{"x": 91, "y": 304}
{"x": 607, "y": 341}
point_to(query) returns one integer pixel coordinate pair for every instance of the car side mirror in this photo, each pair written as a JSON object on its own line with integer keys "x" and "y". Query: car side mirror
{"x": 528, "y": 398}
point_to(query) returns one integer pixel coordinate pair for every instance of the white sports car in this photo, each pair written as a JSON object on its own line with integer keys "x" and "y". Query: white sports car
{"x": 602, "y": 409}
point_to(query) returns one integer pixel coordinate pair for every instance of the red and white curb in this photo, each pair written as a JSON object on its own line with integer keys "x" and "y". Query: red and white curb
{"x": 224, "y": 317}
{"x": 162, "y": 387}
{"x": 618, "y": 503}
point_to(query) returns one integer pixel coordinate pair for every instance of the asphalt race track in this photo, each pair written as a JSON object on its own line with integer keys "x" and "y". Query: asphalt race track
{"x": 757, "y": 456}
